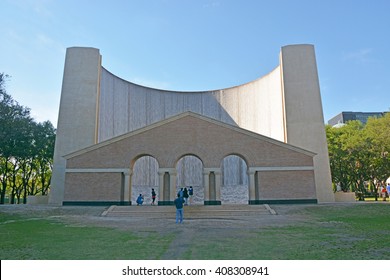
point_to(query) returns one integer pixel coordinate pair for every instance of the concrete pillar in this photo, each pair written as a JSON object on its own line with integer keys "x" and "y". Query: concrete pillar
{"x": 212, "y": 185}
{"x": 77, "y": 118}
{"x": 206, "y": 185}
{"x": 303, "y": 115}
{"x": 257, "y": 186}
{"x": 172, "y": 187}
{"x": 251, "y": 186}
{"x": 160, "y": 186}
{"x": 127, "y": 187}
{"x": 167, "y": 185}
{"x": 218, "y": 185}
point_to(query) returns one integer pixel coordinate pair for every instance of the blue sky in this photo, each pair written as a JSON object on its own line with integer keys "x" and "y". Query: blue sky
{"x": 198, "y": 45}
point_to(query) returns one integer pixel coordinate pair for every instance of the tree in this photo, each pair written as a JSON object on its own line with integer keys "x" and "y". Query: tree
{"x": 377, "y": 134}
{"x": 359, "y": 154}
{"x": 44, "y": 136}
{"x": 13, "y": 133}
{"x": 26, "y": 150}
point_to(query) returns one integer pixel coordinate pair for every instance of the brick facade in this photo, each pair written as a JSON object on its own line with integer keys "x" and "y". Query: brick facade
{"x": 103, "y": 171}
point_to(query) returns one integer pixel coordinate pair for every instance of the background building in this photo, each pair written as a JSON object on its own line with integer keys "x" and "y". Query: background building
{"x": 344, "y": 117}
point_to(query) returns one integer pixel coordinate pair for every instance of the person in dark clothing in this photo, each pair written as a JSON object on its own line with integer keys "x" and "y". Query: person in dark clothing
{"x": 179, "y": 209}
{"x": 185, "y": 196}
{"x": 153, "y": 196}
{"x": 190, "y": 193}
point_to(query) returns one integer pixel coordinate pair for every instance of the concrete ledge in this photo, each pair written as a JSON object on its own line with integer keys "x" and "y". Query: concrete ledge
{"x": 272, "y": 211}
{"x": 283, "y": 201}
{"x": 37, "y": 199}
{"x": 95, "y": 203}
{"x": 344, "y": 197}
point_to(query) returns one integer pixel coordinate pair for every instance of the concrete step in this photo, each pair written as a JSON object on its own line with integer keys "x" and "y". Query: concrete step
{"x": 194, "y": 211}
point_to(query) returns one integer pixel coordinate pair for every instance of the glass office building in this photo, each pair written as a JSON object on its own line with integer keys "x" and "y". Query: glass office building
{"x": 344, "y": 117}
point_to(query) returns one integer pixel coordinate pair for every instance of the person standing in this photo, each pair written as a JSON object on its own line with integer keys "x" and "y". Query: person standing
{"x": 181, "y": 192}
{"x": 190, "y": 193}
{"x": 179, "y": 201}
{"x": 384, "y": 192}
{"x": 388, "y": 190}
{"x": 185, "y": 196}
{"x": 153, "y": 196}
{"x": 381, "y": 187}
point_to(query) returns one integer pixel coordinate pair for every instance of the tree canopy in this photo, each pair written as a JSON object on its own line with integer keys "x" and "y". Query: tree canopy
{"x": 360, "y": 154}
{"x": 26, "y": 150}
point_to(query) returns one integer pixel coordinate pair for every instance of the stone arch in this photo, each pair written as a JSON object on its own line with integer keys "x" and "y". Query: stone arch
{"x": 235, "y": 179}
{"x": 143, "y": 177}
{"x": 189, "y": 168}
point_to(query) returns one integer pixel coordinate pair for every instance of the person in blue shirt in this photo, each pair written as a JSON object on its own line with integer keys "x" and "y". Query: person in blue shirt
{"x": 179, "y": 201}
{"x": 140, "y": 199}
{"x": 181, "y": 192}
{"x": 388, "y": 190}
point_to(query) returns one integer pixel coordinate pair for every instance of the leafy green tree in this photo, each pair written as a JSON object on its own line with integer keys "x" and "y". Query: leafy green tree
{"x": 360, "y": 154}
{"x": 377, "y": 134}
{"x": 26, "y": 150}
{"x": 44, "y": 140}
{"x": 13, "y": 134}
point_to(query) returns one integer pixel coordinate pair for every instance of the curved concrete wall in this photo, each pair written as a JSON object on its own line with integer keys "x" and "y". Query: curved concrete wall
{"x": 256, "y": 106}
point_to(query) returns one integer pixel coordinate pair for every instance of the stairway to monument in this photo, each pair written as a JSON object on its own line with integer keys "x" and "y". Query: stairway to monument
{"x": 191, "y": 212}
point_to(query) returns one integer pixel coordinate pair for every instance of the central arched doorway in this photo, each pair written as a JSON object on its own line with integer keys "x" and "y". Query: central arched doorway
{"x": 189, "y": 170}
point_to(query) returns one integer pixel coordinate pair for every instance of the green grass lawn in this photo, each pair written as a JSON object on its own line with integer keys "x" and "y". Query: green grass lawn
{"x": 45, "y": 239}
{"x": 346, "y": 232}
{"x": 330, "y": 233}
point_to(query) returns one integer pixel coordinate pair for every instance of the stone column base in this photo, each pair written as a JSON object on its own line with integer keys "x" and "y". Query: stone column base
{"x": 344, "y": 197}
{"x": 212, "y": 202}
{"x": 165, "y": 203}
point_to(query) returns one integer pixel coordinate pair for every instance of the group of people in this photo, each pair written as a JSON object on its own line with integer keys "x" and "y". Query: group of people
{"x": 384, "y": 191}
{"x": 140, "y": 198}
{"x": 184, "y": 197}
{"x": 186, "y": 194}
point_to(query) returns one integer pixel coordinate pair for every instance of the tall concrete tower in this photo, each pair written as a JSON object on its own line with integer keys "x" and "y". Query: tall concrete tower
{"x": 304, "y": 120}
{"x": 77, "y": 118}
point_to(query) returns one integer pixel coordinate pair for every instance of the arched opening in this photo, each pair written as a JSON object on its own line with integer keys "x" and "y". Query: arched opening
{"x": 234, "y": 188}
{"x": 189, "y": 170}
{"x": 144, "y": 178}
